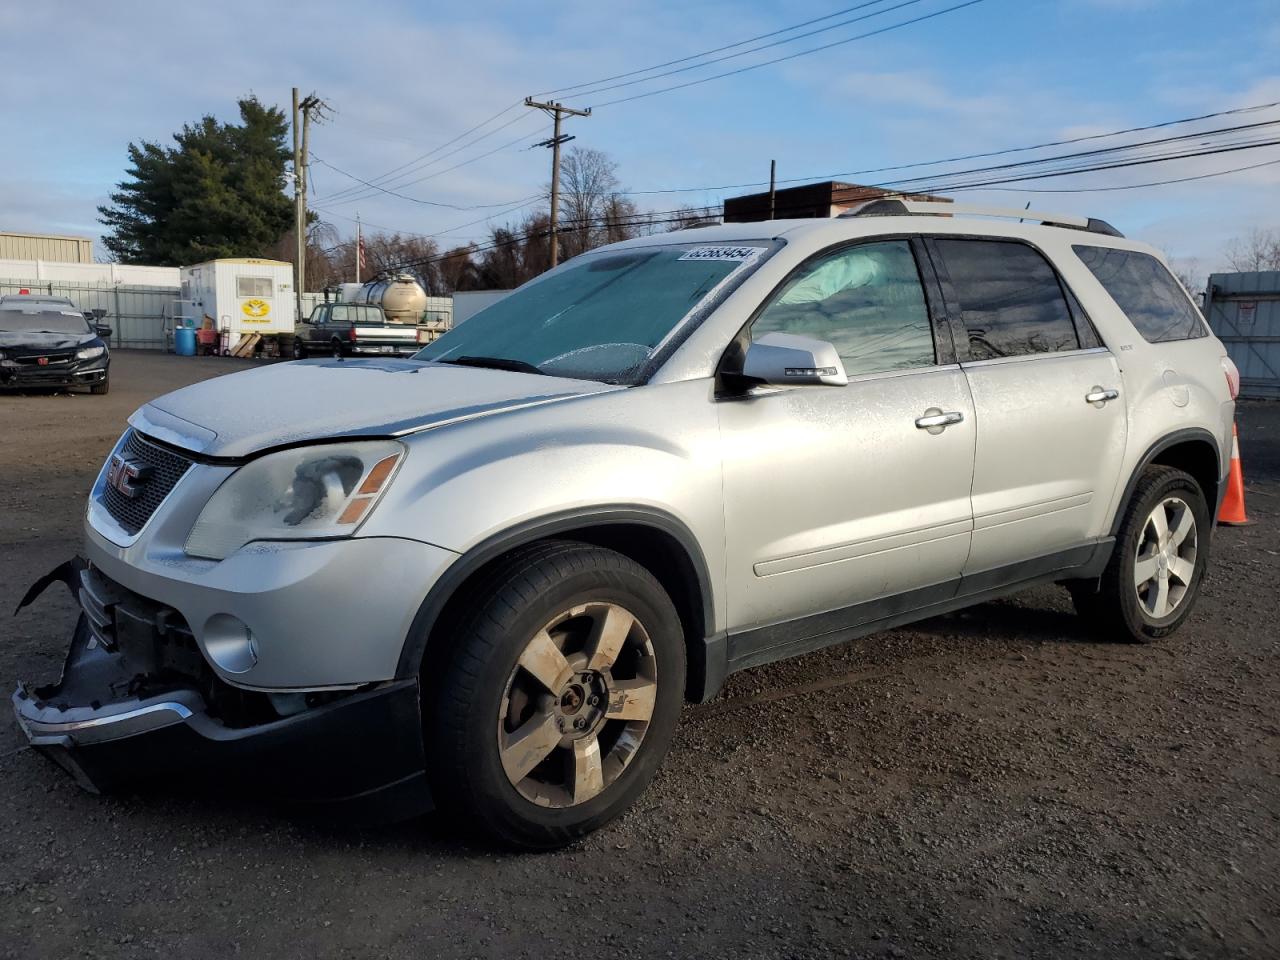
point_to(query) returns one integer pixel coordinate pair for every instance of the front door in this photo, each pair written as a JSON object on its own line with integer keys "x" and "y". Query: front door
{"x": 1051, "y": 420}
{"x": 836, "y": 497}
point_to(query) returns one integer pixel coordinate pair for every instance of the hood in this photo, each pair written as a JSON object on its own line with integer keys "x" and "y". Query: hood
{"x": 44, "y": 341}
{"x": 287, "y": 403}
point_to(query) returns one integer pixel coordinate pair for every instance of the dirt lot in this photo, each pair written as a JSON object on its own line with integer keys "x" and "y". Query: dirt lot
{"x": 991, "y": 783}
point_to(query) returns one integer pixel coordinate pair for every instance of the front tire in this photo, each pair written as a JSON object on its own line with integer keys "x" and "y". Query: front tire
{"x": 299, "y": 349}
{"x": 559, "y": 696}
{"x": 98, "y": 389}
{"x": 1153, "y": 579}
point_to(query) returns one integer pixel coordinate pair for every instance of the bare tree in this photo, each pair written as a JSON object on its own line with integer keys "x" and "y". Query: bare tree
{"x": 457, "y": 269}
{"x": 1260, "y": 250}
{"x": 1189, "y": 273}
{"x": 593, "y": 211}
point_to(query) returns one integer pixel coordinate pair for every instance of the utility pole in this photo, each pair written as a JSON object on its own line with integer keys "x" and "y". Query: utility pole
{"x": 773, "y": 182}
{"x": 299, "y": 215}
{"x": 557, "y": 111}
{"x": 309, "y": 105}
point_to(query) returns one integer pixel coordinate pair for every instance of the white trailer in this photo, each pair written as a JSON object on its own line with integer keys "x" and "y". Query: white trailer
{"x": 241, "y": 295}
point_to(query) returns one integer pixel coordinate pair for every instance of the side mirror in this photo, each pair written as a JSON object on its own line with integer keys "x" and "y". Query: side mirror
{"x": 786, "y": 360}
{"x": 102, "y": 330}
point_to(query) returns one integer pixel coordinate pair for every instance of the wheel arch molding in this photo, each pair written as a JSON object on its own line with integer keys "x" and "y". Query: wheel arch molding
{"x": 656, "y": 540}
{"x": 1194, "y": 450}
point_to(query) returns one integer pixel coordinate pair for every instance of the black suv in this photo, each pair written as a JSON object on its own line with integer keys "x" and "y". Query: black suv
{"x": 44, "y": 345}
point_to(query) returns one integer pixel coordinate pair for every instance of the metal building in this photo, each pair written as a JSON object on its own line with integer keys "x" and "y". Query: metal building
{"x": 1243, "y": 309}
{"x": 46, "y": 246}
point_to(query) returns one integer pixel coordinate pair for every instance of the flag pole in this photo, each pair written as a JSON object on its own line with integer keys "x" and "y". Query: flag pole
{"x": 359, "y": 246}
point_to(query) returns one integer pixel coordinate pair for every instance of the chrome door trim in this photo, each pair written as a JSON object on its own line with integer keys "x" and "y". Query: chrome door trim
{"x": 1024, "y": 357}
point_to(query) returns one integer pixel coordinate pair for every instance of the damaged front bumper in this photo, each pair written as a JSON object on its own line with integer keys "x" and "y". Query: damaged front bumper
{"x": 15, "y": 375}
{"x": 136, "y": 703}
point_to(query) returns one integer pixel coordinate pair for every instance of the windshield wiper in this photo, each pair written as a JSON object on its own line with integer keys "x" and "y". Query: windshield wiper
{"x": 494, "y": 363}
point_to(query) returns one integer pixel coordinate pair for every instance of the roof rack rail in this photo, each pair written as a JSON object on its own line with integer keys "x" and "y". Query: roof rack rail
{"x": 899, "y": 208}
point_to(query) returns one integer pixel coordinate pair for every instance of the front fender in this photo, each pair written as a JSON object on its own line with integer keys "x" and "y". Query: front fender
{"x": 649, "y": 455}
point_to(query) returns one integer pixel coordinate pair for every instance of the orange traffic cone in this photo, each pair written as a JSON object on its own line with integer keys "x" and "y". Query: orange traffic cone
{"x": 1232, "y": 509}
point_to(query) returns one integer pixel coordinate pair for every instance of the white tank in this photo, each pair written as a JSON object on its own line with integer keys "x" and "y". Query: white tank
{"x": 401, "y": 297}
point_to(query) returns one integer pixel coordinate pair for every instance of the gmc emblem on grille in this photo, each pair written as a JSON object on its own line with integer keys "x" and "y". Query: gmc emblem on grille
{"x": 127, "y": 476}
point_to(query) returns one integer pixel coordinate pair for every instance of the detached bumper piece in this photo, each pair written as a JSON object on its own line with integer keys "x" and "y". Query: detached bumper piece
{"x": 137, "y": 704}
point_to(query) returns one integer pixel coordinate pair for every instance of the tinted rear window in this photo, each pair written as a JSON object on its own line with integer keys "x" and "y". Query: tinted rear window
{"x": 1009, "y": 298}
{"x": 1140, "y": 285}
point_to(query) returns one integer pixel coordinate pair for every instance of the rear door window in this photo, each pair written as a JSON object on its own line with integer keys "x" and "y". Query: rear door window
{"x": 1009, "y": 298}
{"x": 1140, "y": 285}
{"x": 865, "y": 300}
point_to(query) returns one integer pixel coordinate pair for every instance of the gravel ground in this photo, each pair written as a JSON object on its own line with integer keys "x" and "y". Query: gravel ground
{"x": 990, "y": 783}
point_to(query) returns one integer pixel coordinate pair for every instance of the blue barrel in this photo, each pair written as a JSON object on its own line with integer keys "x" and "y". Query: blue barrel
{"x": 184, "y": 342}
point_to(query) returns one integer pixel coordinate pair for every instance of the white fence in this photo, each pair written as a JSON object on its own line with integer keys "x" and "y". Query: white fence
{"x": 100, "y": 274}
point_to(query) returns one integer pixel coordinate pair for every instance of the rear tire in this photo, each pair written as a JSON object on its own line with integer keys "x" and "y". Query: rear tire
{"x": 337, "y": 349}
{"x": 558, "y": 697}
{"x": 1152, "y": 580}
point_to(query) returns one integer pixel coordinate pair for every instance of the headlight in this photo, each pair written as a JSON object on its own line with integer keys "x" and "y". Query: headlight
{"x": 303, "y": 494}
{"x": 88, "y": 353}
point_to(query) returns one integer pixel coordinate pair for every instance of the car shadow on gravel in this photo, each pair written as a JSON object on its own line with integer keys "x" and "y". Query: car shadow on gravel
{"x": 1009, "y": 621}
{"x": 223, "y": 812}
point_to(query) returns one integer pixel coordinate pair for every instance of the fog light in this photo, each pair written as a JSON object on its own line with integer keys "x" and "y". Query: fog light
{"x": 229, "y": 643}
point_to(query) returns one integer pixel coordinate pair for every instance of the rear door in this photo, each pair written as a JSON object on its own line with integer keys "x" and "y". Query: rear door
{"x": 1051, "y": 421}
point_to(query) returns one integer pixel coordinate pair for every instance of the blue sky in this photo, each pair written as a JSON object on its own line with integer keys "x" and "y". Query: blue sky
{"x": 405, "y": 77}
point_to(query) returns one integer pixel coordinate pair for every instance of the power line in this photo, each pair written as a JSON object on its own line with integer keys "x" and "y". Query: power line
{"x": 765, "y": 46}
{"x": 398, "y": 182}
{"x": 439, "y": 173}
{"x": 791, "y": 56}
{"x": 356, "y": 193}
{"x": 1139, "y": 186}
{"x": 382, "y": 178}
{"x": 1104, "y": 150}
{"x": 707, "y": 53}
{"x": 952, "y": 179}
{"x": 651, "y": 220}
{"x": 429, "y": 203}
{"x": 971, "y": 156}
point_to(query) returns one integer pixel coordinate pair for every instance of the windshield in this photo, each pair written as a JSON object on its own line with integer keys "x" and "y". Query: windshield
{"x": 601, "y": 316}
{"x": 49, "y": 321}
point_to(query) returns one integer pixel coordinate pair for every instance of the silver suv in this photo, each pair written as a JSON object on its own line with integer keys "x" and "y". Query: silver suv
{"x": 486, "y": 578}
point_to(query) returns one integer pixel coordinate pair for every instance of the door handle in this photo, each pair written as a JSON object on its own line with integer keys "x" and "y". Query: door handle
{"x": 935, "y": 420}
{"x": 1100, "y": 395}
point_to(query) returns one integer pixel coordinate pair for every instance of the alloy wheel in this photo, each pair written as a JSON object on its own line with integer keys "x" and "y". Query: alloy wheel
{"x": 577, "y": 705}
{"x": 1165, "y": 563}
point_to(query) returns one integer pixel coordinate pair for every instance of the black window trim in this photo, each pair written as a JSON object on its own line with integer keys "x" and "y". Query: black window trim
{"x": 944, "y": 350}
{"x": 1084, "y": 326}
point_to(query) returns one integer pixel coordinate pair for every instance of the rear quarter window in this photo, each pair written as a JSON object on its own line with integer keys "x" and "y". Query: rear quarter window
{"x": 1143, "y": 288}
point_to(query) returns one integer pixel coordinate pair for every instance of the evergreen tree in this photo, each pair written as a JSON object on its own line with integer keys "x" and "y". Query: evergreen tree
{"x": 218, "y": 193}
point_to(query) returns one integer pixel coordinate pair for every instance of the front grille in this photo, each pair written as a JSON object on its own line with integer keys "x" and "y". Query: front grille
{"x": 49, "y": 358}
{"x": 167, "y": 468}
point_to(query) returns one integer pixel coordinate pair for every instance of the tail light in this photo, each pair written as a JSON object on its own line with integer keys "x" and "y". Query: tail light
{"x": 1233, "y": 377}
{"x": 353, "y": 333}
{"x": 424, "y": 336}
